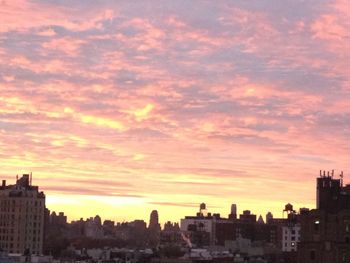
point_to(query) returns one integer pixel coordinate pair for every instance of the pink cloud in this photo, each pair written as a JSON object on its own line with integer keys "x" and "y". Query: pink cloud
{"x": 160, "y": 99}
{"x": 67, "y": 45}
{"x": 328, "y": 28}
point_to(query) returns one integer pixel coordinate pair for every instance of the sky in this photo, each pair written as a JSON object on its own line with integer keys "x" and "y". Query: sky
{"x": 122, "y": 107}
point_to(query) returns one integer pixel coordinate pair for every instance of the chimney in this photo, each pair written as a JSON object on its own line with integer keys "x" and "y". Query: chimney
{"x": 3, "y": 183}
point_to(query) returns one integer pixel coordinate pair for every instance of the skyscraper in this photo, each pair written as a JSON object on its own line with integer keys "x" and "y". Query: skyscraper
{"x": 233, "y": 214}
{"x": 325, "y": 231}
{"x": 21, "y": 217}
{"x": 154, "y": 219}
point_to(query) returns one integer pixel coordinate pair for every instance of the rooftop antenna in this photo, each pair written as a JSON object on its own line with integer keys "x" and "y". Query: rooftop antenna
{"x": 30, "y": 178}
{"x": 320, "y": 173}
{"x": 341, "y": 178}
{"x": 324, "y": 173}
{"x": 332, "y": 173}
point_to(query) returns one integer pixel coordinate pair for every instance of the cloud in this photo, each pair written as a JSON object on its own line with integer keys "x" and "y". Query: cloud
{"x": 67, "y": 45}
{"x": 164, "y": 102}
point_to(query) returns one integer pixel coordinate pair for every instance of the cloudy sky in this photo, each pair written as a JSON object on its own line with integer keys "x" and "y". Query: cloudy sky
{"x": 121, "y": 107}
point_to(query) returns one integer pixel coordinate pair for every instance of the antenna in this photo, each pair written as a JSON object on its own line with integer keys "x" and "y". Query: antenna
{"x": 30, "y": 178}
{"x": 332, "y": 172}
{"x": 341, "y": 178}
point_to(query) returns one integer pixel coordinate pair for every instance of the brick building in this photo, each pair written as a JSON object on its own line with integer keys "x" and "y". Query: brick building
{"x": 326, "y": 230}
{"x": 22, "y": 209}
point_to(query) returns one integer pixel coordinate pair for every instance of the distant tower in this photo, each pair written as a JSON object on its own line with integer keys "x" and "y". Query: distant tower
{"x": 269, "y": 217}
{"x": 261, "y": 220}
{"x": 97, "y": 220}
{"x": 154, "y": 219}
{"x": 203, "y": 209}
{"x": 233, "y": 214}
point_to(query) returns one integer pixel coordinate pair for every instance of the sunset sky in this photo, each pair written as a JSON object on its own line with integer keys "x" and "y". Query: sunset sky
{"x": 122, "y": 107}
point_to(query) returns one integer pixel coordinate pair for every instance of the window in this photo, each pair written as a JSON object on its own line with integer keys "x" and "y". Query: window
{"x": 317, "y": 225}
{"x": 328, "y": 246}
{"x": 347, "y": 239}
{"x": 312, "y": 255}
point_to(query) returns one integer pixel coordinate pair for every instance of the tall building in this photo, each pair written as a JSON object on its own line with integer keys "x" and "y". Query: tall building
{"x": 269, "y": 217}
{"x": 325, "y": 231}
{"x": 233, "y": 214}
{"x": 154, "y": 229}
{"x": 154, "y": 219}
{"x": 22, "y": 209}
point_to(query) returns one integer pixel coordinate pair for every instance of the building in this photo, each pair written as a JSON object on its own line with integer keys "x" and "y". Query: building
{"x": 200, "y": 228}
{"x": 171, "y": 234}
{"x": 206, "y": 229}
{"x": 290, "y": 237}
{"x": 233, "y": 214}
{"x": 154, "y": 230}
{"x": 22, "y": 209}
{"x": 108, "y": 228}
{"x": 93, "y": 227}
{"x": 326, "y": 230}
{"x": 154, "y": 220}
{"x": 247, "y": 217}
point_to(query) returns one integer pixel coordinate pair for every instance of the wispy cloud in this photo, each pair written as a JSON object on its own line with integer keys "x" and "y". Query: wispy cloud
{"x": 163, "y": 101}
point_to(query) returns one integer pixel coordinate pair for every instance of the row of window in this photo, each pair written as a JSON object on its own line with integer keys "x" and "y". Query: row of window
{"x": 26, "y": 231}
{"x": 20, "y": 209}
{"x": 293, "y": 238}
{"x": 293, "y": 232}
{"x": 11, "y": 203}
{"x": 10, "y": 238}
{"x": 12, "y": 245}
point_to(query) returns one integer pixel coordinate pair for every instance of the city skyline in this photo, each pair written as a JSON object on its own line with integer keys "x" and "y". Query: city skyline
{"x": 121, "y": 108}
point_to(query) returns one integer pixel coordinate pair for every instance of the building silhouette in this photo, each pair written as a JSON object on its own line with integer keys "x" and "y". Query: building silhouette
{"x": 22, "y": 209}
{"x": 154, "y": 229}
{"x": 154, "y": 219}
{"x": 326, "y": 229}
{"x": 233, "y": 214}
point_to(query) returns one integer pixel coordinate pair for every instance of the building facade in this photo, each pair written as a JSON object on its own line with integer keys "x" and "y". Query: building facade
{"x": 290, "y": 237}
{"x": 326, "y": 230}
{"x": 22, "y": 209}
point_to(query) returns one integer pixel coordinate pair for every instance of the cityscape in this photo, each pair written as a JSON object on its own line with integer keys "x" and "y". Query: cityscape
{"x": 30, "y": 232}
{"x": 174, "y": 131}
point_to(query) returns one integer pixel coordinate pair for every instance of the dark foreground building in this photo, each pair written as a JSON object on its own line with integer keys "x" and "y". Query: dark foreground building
{"x": 22, "y": 208}
{"x": 326, "y": 230}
